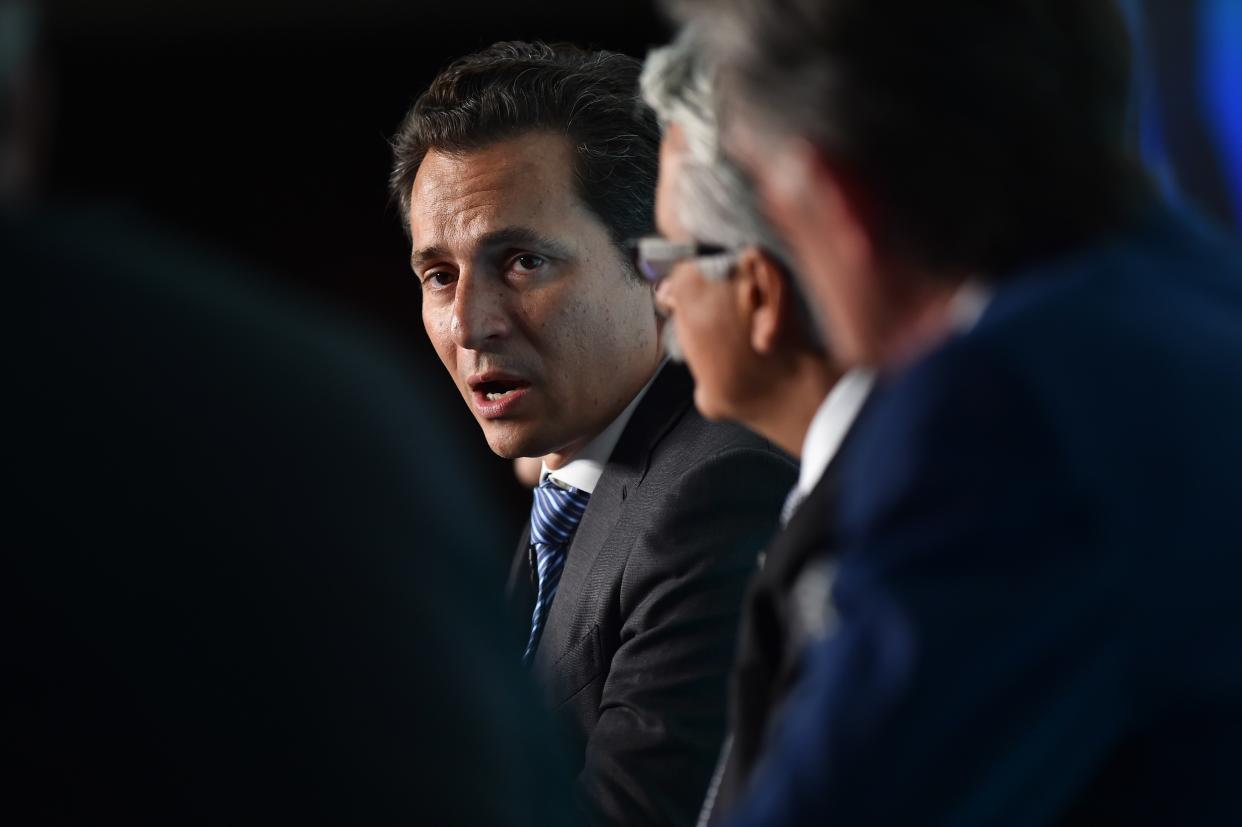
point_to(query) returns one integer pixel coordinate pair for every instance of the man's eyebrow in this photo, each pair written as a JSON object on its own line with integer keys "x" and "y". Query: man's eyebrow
{"x": 504, "y": 237}
{"x": 421, "y": 257}
{"x": 524, "y": 237}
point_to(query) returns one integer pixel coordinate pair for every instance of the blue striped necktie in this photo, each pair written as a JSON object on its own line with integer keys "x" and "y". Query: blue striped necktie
{"x": 554, "y": 518}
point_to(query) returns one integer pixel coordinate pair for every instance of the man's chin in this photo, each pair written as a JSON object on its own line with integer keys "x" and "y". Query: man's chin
{"x": 510, "y": 440}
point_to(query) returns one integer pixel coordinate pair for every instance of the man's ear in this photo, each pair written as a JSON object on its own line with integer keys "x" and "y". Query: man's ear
{"x": 764, "y": 294}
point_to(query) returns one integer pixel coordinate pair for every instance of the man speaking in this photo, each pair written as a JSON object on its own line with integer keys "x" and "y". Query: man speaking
{"x": 521, "y": 172}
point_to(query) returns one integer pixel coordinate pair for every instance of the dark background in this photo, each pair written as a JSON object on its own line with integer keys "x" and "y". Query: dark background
{"x": 257, "y": 130}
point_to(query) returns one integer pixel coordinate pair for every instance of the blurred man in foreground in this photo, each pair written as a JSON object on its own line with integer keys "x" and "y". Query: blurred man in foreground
{"x": 1034, "y": 619}
{"x": 521, "y": 171}
{"x": 742, "y": 325}
{"x": 232, "y": 593}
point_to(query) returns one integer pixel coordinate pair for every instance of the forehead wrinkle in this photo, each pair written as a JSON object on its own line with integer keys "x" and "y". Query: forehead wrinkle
{"x": 460, "y": 198}
{"x": 442, "y": 224}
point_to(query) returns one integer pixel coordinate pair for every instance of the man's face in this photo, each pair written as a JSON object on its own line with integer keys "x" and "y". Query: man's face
{"x": 711, "y": 333}
{"x": 526, "y": 299}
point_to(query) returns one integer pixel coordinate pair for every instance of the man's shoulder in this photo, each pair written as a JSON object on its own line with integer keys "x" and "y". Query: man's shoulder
{"x": 1169, "y": 270}
{"x": 693, "y": 439}
{"x": 1101, "y": 325}
{"x": 708, "y": 473}
{"x": 1104, "y": 377}
{"x": 695, "y": 471}
{"x": 676, "y": 439}
{"x": 720, "y": 462}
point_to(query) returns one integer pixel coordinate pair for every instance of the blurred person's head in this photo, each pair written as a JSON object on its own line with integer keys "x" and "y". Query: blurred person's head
{"x": 520, "y": 173}
{"x": 904, "y": 147}
{"x": 737, "y": 317}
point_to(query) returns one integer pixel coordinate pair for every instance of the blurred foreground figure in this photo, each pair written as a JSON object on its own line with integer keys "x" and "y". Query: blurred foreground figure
{"x": 237, "y": 591}
{"x": 240, "y": 583}
{"x": 1035, "y": 619}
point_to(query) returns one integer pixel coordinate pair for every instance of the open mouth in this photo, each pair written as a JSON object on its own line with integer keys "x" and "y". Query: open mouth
{"x": 499, "y": 389}
{"x": 498, "y": 395}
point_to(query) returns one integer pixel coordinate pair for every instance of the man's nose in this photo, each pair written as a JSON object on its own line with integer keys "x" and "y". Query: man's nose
{"x": 480, "y": 313}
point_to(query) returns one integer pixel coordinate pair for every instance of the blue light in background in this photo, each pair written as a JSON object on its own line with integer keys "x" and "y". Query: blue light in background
{"x": 1220, "y": 82}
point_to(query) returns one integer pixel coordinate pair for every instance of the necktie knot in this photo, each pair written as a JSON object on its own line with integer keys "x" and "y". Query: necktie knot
{"x": 555, "y": 514}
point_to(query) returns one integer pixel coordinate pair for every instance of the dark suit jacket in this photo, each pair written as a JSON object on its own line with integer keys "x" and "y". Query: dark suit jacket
{"x": 1037, "y": 602}
{"x": 638, "y": 644}
{"x": 241, "y": 581}
{"x": 777, "y": 626}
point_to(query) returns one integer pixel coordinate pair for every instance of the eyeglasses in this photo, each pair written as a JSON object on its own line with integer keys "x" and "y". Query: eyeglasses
{"x": 655, "y": 257}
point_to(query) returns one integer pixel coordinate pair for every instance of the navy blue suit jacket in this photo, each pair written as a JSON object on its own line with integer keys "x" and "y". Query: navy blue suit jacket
{"x": 1038, "y": 607}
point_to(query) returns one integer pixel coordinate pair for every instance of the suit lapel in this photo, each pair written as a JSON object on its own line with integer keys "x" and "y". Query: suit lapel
{"x": 665, "y": 402}
{"x": 806, "y": 533}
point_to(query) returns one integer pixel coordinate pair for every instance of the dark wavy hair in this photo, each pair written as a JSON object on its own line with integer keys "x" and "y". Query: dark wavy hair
{"x": 511, "y": 88}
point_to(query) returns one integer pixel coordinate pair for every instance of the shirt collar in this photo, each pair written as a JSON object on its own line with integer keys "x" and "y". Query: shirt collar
{"x": 585, "y": 469}
{"x": 830, "y": 424}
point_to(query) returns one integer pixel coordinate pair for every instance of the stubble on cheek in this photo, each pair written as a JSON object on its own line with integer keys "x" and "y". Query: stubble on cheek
{"x": 595, "y": 353}
{"x": 438, "y": 327}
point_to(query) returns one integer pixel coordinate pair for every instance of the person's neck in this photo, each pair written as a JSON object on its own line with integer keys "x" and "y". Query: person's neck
{"x": 557, "y": 460}
{"x": 561, "y": 457}
{"x": 804, "y": 381}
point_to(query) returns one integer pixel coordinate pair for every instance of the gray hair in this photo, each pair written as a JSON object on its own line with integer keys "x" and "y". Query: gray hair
{"x": 717, "y": 202}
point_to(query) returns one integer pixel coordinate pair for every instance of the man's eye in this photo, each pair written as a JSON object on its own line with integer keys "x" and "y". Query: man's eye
{"x": 528, "y": 262}
{"x": 438, "y": 278}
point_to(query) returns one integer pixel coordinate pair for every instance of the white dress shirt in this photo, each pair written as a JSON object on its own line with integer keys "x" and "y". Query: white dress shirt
{"x": 832, "y": 421}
